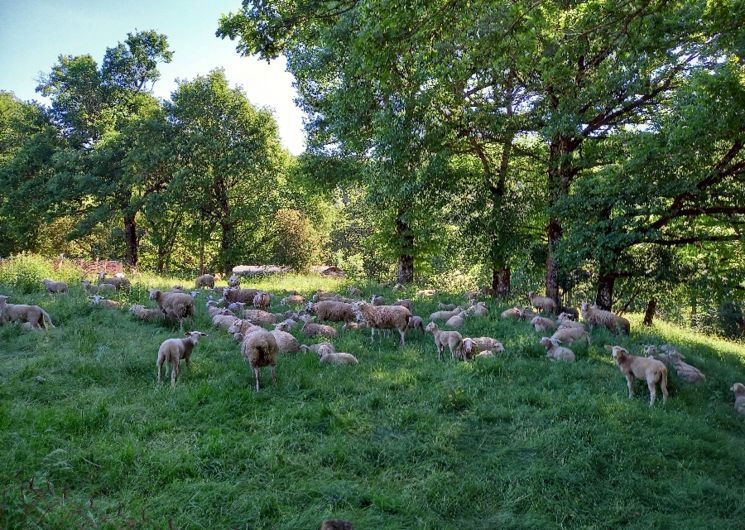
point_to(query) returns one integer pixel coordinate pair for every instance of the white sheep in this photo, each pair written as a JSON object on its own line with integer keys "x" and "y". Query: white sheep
{"x": 54, "y": 287}
{"x": 739, "y": 390}
{"x": 513, "y": 312}
{"x": 543, "y": 303}
{"x": 103, "y": 302}
{"x": 311, "y": 329}
{"x": 555, "y": 351}
{"x": 332, "y": 310}
{"x": 260, "y": 349}
{"x": 488, "y": 343}
{"x": 571, "y": 335}
{"x": 320, "y": 348}
{"x": 456, "y": 321}
{"x": 451, "y": 339}
{"x": 99, "y": 288}
{"x": 175, "y": 306}
{"x": 650, "y": 370}
{"x": 173, "y": 350}
{"x": 595, "y": 316}
{"x": 445, "y": 315}
{"x": 286, "y": 343}
{"x": 33, "y": 315}
{"x": 542, "y": 324}
{"x": 337, "y": 358}
{"x": 384, "y": 317}
{"x": 143, "y": 313}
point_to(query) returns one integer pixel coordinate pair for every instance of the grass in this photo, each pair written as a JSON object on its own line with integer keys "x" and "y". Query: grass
{"x": 398, "y": 441}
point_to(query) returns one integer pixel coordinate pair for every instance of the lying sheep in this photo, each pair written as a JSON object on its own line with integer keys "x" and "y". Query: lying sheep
{"x": 571, "y": 312}
{"x": 223, "y": 321}
{"x": 103, "y": 302}
{"x": 488, "y": 343}
{"x": 100, "y": 288}
{"x": 241, "y": 328}
{"x": 260, "y": 349}
{"x": 175, "y": 306}
{"x": 404, "y": 303}
{"x": 527, "y": 314}
{"x": 479, "y": 309}
{"x": 258, "y": 316}
{"x": 555, "y": 351}
{"x": 236, "y": 306}
{"x": 486, "y": 354}
{"x": 354, "y": 326}
{"x": 384, "y": 317}
{"x": 33, "y": 315}
{"x": 650, "y": 370}
{"x": 143, "y": 313}
{"x": 292, "y": 300}
{"x": 445, "y": 315}
{"x": 672, "y": 358}
{"x": 571, "y": 335}
{"x": 262, "y": 300}
{"x": 332, "y": 310}
{"x": 445, "y": 307}
{"x": 311, "y": 329}
{"x": 205, "y": 280}
{"x": 320, "y": 348}
{"x": 286, "y": 325}
{"x": 173, "y": 350}
{"x": 236, "y": 294}
{"x": 513, "y": 312}
{"x": 54, "y": 287}
{"x": 416, "y": 322}
{"x": 376, "y": 300}
{"x": 451, "y": 339}
{"x": 594, "y": 316}
{"x": 286, "y": 343}
{"x": 566, "y": 321}
{"x": 118, "y": 280}
{"x": 543, "y": 303}
{"x": 337, "y": 358}
{"x": 456, "y": 321}
{"x": 541, "y": 324}
{"x": 739, "y": 390}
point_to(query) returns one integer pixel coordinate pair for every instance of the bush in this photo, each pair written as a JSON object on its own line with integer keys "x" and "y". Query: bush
{"x": 296, "y": 243}
{"x": 25, "y": 272}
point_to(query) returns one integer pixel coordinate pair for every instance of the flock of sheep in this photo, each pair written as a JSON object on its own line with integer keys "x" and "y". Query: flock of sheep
{"x": 244, "y": 313}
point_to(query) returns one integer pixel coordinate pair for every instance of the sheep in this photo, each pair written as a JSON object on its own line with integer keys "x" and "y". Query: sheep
{"x": 555, "y": 351}
{"x": 565, "y": 321}
{"x": 354, "y": 291}
{"x": 445, "y": 315}
{"x": 173, "y": 350}
{"x": 571, "y": 335}
{"x": 527, "y": 314}
{"x": 739, "y": 390}
{"x": 205, "y": 280}
{"x": 486, "y": 354}
{"x": 260, "y": 317}
{"x": 33, "y": 315}
{"x": 118, "y": 280}
{"x": 292, "y": 299}
{"x": 96, "y": 289}
{"x": 479, "y": 309}
{"x": 543, "y": 303}
{"x": 336, "y": 524}
{"x": 260, "y": 349}
{"x": 377, "y": 300}
{"x": 321, "y": 296}
{"x": 103, "y": 302}
{"x": 672, "y": 358}
{"x": 262, "y": 300}
{"x": 571, "y": 312}
{"x": 488, "y": 343}
{"x": 415, "y": 322}
{"x": 234, "y": 281}
{"x": 594, "y": 316}
{"x": 286, "y": 343}
{"x": 384, "y": 317}
{"x": 236, "y": 294}
{"x": 241, "y": 328}
{"x": 319, "y": 348}
{"x": 224, "y": 321}
{"x": 54, "y": 287}
{"x": 286, "y": 325}
{"x": 467, "y": 349}
{"x": 445, "y": 307}
{"x": 404, "y": 303}
{"x": 353, "y": 325}
{"x": 175, "y": 306}
{"x": 542, "y": 324}
{"x": 311, "y": 329}
{"x": 332, "y": 310}
{"x": 513, "y": 312}
{"x": 236, "y": 306}
{"x": 456, "y": 321}
{"x": 451, "y": 339}
{"x": 337, "y": 358}
{"x": 632, "y": 366}
{"x": 143, "y": 313}
{"x": 426, "y": 293}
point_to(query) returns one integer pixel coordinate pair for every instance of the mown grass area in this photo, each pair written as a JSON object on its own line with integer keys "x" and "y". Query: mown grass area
{"x": 399, "y": 441}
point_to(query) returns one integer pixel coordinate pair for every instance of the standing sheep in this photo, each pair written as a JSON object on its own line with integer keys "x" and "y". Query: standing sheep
{"x": 415, "y": 322}
{"x": 33, "y": 315}
{"x": 205, "y": 280}
{"x": 332, "y": 310}
{"x": 173, "y": 350}
{"x": 543, "y": 303}
{"x": 175, "y": 306}
{"x": 600, "y": 317}
{"x": 259, "y": 348}
{"x": 739, "y": 390}
{"x": 451, "y": 339}
{"x": 54, "y": 287}
{"x": 650, "y": 370}
{"x": 262, "y": 300}
{"x": 384, "y": 317}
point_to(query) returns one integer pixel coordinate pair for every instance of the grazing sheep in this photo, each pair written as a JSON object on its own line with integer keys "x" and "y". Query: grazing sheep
{"x": 260, "y": 349}
{"x": 456, "y": 321}
{"x": 311, "y": 329}
{"x": 175, "y": 306}
{"x": 650, "y": 370}
{"x": 258, "y": 316}
{"x": 594, "y": 316}
{"x": 205, "y": 280}
{"x": 415, "y": 322}
{"x": 320, "y": 348}
{"x": 513, "y": 312}
{"x": 488, "y": 343}
{"x": 173, "y": 350}
{"x": 292, "y": 300}
{"x": 384, "y": 317}
{"x": 100, "y": 288}
{"x": 555, "y": 351}
{"x": 118, "y": 280}
{"x": 445, "y": 307}
{"x": 337, "y": 358}
{"x": 262, "y": 300}
{"x": 354, "y": 291}
{"x": 445, "y": 315}
{"x": 236, "y": 294}
{"x": 234, "y": 281}
{"x": 542, "y": 324}
{"x": 336, "y": 524}
{"x": 103, "y": 302}
{"x": 451, "y": 339}
{"x": 224, "y": 321}
{"x": 739, "y": 390}
{"x": 571, "y": 335}
{"x": 286, "y": 343}
{"x": 331, "y": 310}
{"x": 54, "y": 287}
{"x": 404, "y": 303}
{"x": 377, "y": 300}
{"x": 33, "y": 315}
{"x": 143, "y": 313}
{"x": 543, "y": 303}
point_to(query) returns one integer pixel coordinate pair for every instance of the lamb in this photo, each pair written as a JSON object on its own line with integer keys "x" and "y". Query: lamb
{"x": 54, "y": 287}
{"x": 33, "y": 315}
{"x": 262, "y": 300}
{"x": 236, "y": 294}
{"x": 260, "y": 349}
{"x": 286, "y": 325}
{"x": 415, "y": 322}
{"x": 467, "y": 349}
{"x": 257, "y": 316}
{"x": 173, "y": 350}
{"x": 320, "y": 348}
{"x": 118, "y": 280}
{"x": 224, "y": 321}
{"x": 543, "y": 303}
{"x": 600, "y": 317}
{"x": 100, "y": 288}
{"x": 103, "y": 302}
{"x": 311, "y": 329}
{"x": 456, "y": 321}
{"x": 445, "y": 315}
{"x": 377, "y": 300}
{"x": 542, "y": 324}
{"x": 143, "y": 313}
{"x": 739, "y": 390}
{"x": 451, "y": 339}
{"x": 571, "y": 335}
{"x": 205, "y": 280}
{"x": 286, "y": 343}
{"x": 384, "y": 317}
{"x": 555, "y": 351}
{"x": 651, "y": 370}
{"x": 175, "y": 306}
{"x": 332, "y": 310}
{"x": 337, "y": 358}
{"x": 513, "y": 312}
{"x": 404, "y": 303}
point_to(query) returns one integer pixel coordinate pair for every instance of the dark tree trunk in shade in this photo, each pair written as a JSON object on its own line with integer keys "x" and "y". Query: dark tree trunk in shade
{"x": 406, "y": 253}
{"x": 500, "y": 282}
{"x": 130, "y": 238}
{"x": 650, "y": 312}
{"x": 604, "y": 295}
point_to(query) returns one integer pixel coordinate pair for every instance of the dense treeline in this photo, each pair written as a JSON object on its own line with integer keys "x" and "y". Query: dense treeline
{"x": 594, "y": 147}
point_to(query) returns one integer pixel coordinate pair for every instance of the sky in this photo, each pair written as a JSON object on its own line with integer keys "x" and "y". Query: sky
{"x": 34, "y": 32}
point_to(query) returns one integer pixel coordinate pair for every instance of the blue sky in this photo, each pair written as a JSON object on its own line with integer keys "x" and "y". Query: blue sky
{"x": 34, "y": 32}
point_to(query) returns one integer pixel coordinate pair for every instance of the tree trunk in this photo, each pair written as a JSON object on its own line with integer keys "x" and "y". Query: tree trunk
{"x": 604, "y": 295}
{"x": 130, "y": 238}
{"x": 201, "y": 255}
{"x": 649, "y": 313}
{"x": 552, "y": 266}
{"x": 500, "y": 281}
{"x": 405, "y": 240}
{"x": 226, "y": 240}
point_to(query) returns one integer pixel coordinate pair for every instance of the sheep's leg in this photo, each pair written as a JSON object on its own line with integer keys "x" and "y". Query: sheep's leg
{"x": 174, "y": 374}
{"x": 652, "y": 392}
{"x": 630, "y": 384}
{"x": 663, "y": 386}
{"x": 256, "y": 375}
{"x": 274, "y": 375}
{"x": 403, "y": 337}
{"x": 372, "y": 334}
{"x": 159, "y": 364}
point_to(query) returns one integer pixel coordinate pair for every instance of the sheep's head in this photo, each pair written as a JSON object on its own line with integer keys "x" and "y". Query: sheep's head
{"x": 497, "y": 346}
{"x": 738, "y": 389}
{"x": 546, "y": 342}
{"x": 535, "y": 320}
{"x": 431, "y": 327}
{"x": 650, "y": 349}
{"x": 617, "y": 352}
{"x": 195, "y": 335}
{"x": 96, "y": 299}
{"x": 324, "y": 350}
{"x": 153, "y": 294}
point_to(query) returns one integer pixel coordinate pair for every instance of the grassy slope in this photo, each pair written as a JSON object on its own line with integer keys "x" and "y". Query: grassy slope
{"x": 398, "y": 441}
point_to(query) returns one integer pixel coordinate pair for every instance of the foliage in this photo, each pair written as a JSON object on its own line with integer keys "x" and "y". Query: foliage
{"x": 295, "y": 241}
{"x": 24, "y": 272}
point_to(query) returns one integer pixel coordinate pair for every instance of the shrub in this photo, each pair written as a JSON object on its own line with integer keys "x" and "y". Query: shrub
{"x": 295, "y": 242}
{"x": 25, "y": 272}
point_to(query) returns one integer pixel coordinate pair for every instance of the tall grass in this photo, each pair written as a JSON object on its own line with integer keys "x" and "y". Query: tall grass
{"x": 398, "y": 441}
